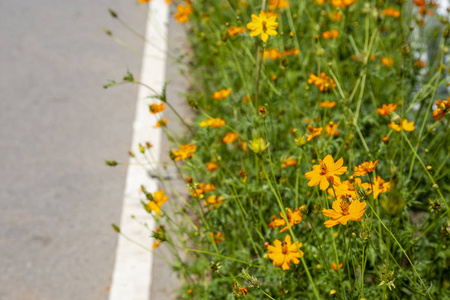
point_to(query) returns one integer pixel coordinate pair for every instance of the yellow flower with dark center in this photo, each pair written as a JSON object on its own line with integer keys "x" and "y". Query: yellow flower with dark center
{"x": 157, "y": 108}
{"x": 313, "y": 132}
{"x": 283, "y": 253}
{"x": 326, "y": 172}
{"x": 365, "y": 167}
{"x": 263, "y": 25}
{"x": 343, "y": 211}
{"x": 185, "y": 151}
{"x": 380, "y": 186}
{"x": 404, "y": 125}
{"x": 386, "y": 110}
{"x": 158, "y": 200}
{"x": 221, "y": 94}
{"x": 327, "y": 104}
{"x": 274, "y": 4}
{"x": 322, "y": 81}
{"x": 294, "y": 217}
{"x": 391, "y": 12}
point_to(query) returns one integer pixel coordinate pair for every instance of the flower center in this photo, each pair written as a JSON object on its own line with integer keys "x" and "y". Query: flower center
{"x": 344, "y": 208}
{"x": 323, "y": 168}
{"x": 264, "y": 25}
{"x": 284, "y": 248}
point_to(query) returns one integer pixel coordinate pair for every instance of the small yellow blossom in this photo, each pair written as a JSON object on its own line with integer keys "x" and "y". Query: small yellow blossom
{"x": 283, "y": 253}
{"x": 214, "y": 201}
{"x": 221, "y": 94}
{"x": 404, "y": 124}
{"x": 386, "y": 110}
{"x": 161, "y": 123}
{"x": 380, "y": 186}
{"x": 331, "y": 34}
{"x": 331, "y": 128}
{"x": 343, "y": 211}
{"x": 158, "y": 200}
{"x": 185, "y": 151}
{"x": 322, "y": 81}
{"x": 263, "y": 25}
{"x": 313, "y": 132}
{"x": 230, "y": 137}
{"x": 365, "y": 167}
{"x": 294, "y": 217}
{"x": 157, "y": 108}
{"x": 326, "y": 172}
{"x": 213, "y": 123}
{"x": 183, "y": 12}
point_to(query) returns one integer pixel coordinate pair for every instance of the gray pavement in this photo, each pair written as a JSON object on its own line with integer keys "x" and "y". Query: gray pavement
{"x": 57, "y": 125}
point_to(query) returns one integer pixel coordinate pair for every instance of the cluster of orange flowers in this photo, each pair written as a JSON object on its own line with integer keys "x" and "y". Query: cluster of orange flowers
{"x": 275, "y": 53}
{"x": 274, "y": 4}
{"x": 323, "y": 82}
{"x": 183, "y": 12}
{"x": 443, "y": 107}
{"x": 391, "y": 12}
{"x": 222, "y": 94}
{"x": 294, "y": 217}
{"x": 331, "y": 34}
{"x": 403, "y": 125}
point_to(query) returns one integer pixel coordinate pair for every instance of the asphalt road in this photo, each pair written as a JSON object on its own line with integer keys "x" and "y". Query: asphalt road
{"x": 57, "y": 126}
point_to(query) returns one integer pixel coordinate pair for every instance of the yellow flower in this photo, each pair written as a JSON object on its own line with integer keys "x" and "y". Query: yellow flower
{"x": 343, "y": 211}
{"x": 234, "y": 30}
{"x": 161, "y": 123}
{"x": 183, "y": 12}
{"x": 380, "y": 186}
{"x": 262, "y": 25}
{"x": 274, "y": 4}
{"x": 158, "y": 200}
{"x": 365, "y": 167}
{"x": 230, "y": 137}
{"x": 212, "y": 166}
{"x": 391, "y": 12}
{"x": 335, "y": 267}
{"x": 293, "y": 218}
{"x": 327, "y": 104}
{"x": 386, "y": 110}
{"x": 332, "y": 34}
{"x": 258, "y": 145}
{"x": 185, "y": 151}
{"x": 322, "y": 81}
{"x": 326, "y": 172}
{"x": 202, "y": 189}
{"x": 443, "y": 106}
{"x": 214, "y": 201}
{"x": 283, "y": 253}
{"x": 313, "y": 132}
{"x": 221, "y": 94}
{"x": 388, "y": 62}
{"x": 342, "y": 3}
{"x": 348, "y": 190}
{"x": 289, "y": 162}
{"x": 157, "y": 108}
{"x": 331, "y": 128}
{"x": 214, "y": 123}
{"x": 404, "y": 124}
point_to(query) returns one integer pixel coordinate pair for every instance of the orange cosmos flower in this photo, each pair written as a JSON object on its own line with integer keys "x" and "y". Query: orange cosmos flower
{"x": 443, "y": 106}
{"x": 386, "y": 110}
{"x": 273, "y": 54}
{"x": 347, "y": 189}
{"x": 234, "y": 30}
{"x": 221, "y": 94}
{"x": 331, "y": 128}
{"x": 157, "y": 108}
{"x": 365, "y": 167}
{"x": 287, "y": 52}
{"x": 404, "y": 124}
{"x": 313, "y": 132}
{"x": 183, "y": 12}
{"x": 158, "y": 200}
{"x": 274, "y": 4}
{"x": 335, "y": 267}
{"x": 202, "y": 189}
{"x": 185, "y": 151}
{"x": 289, "y": 162}
{"x": 283, "y": 253}
{"x": 230, "y": 137}
{"x": 214, "y": 201}
{"x": 380, "y": 186}
{"x": 342, "y": 3}
{"x": 388, "y": 62}
{"x": 161, "y": 123}
{"x": 391, "y": 12}
{"x": 218, "y": 237}
{"x": 322, "y": 81}
{"x": 293, "y": 218}
{"x": 343, "y": 211}
{"x": 326, "y": 172}
{"x": 263, "y": 25}
{"x": 214, "y": 123}
{"x": 327, "y": 104}
{"x": 336, "y": 16}
{"x": 331, "y": 34}
{"x": 212, "y": 166}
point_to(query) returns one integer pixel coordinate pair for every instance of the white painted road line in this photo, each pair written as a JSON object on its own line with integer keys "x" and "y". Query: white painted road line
{"x": 131, "y": 279}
